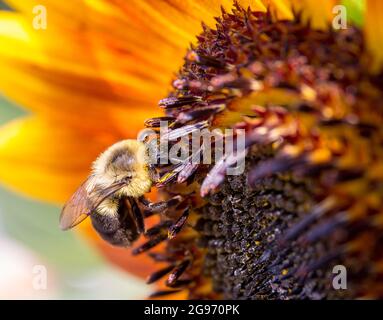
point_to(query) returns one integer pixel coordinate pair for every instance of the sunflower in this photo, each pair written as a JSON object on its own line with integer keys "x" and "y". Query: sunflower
{"x": 307, "y": 95}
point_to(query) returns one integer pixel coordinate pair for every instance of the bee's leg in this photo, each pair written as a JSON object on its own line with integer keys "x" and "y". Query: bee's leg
{"x": 155, "y": 207}
{"x": 138, "y": 217}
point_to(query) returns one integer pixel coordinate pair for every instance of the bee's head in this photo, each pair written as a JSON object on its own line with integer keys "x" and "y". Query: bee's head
{"x": 124, "y": 161}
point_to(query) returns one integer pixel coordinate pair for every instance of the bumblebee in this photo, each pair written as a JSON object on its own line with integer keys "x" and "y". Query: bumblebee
{"x": 113, "y": 195}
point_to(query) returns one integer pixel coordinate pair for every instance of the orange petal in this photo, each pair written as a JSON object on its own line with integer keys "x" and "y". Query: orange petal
{"x": 373, "y": 28}
{"x": 98, "y": 56}
{"x": 66, "y": 87}
{"x": 282, "y": 9}
{"x": 319, "y": 13}
{"x": 48, "y": 159}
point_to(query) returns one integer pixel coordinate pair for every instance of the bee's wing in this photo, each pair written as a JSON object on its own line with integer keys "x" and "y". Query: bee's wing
{"x": 76, "y": 209}
{"x": 84, "y": 202}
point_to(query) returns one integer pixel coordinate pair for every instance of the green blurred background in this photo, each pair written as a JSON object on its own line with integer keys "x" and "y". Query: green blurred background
{"x": 29, "y": 236}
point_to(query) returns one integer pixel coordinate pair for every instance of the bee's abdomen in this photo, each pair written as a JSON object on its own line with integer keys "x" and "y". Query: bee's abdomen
{"x": 118, "y": 229}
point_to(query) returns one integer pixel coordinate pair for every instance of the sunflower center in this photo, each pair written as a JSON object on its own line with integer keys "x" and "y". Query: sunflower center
{"x": 243, "y": 230}
{"x": 309, "y": 108}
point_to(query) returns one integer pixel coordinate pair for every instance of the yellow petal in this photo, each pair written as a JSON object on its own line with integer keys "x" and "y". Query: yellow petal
{"x": 281, "y": 9}
{"x": 373, "y": 28}
{"x": 98, "y": 56}
{"x": 62, "y": 84}
{"x": 319, "y": 13}
{"x": 48, "y": 159}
